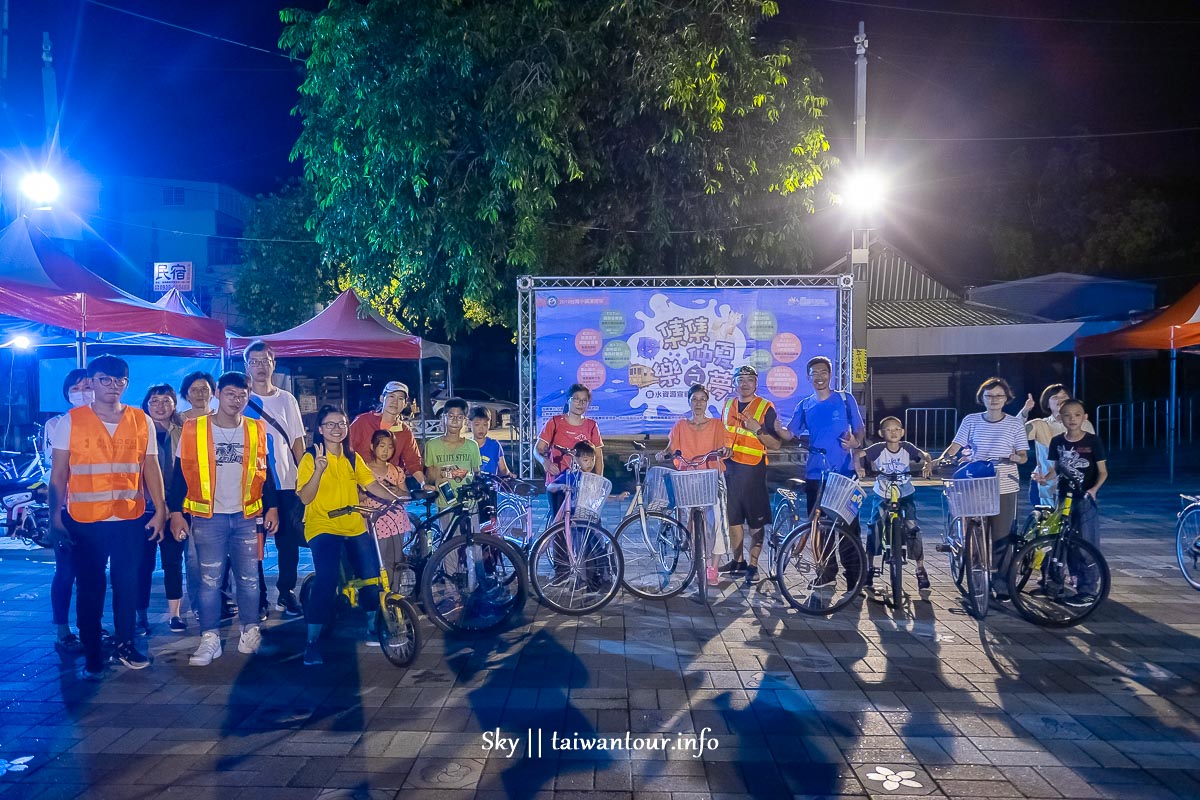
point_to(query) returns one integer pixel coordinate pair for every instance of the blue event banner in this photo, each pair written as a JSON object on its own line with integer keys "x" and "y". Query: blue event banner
{"x": 639, "y": 350}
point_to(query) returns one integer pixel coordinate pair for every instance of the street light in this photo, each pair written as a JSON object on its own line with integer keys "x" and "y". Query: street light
{"x": 18, "y": 342}
{"x": 41, "y": 189}
{"x": 864, "y": 191}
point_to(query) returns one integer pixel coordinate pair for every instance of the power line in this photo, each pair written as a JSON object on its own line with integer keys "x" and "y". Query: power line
{"x": 1065, "y": 136}
{"x": 977, "y": 15}
{"x": 194, "y": 233}
{"x": 193, "y": 30}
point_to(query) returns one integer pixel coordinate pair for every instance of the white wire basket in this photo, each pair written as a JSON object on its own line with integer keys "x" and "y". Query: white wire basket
{"x": 591, "y": 491}
{"x": 842, "y": 496}
{"x": 514, "y": 517}
{"x": 654, "y": 492}
{"x": 693, "y": 488}
{"x": 973, "y": 497}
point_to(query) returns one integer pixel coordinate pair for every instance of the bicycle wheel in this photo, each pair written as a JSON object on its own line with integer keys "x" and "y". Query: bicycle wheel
{"x": 1066, "y": 580}
{"x": 978, "y": 573}
{"x": 658, "y": 565}
{"x": 785, "y": 520}
{"x": 956, "y": 544}
{"x": 1187, "y": 545}
{"x": 399, "y": 630}
{"x": 576, "y": 571}
{"x": 807, "y": 567}
{"x": 466, "y": 586}
{"x": 698, "y": 534}
{"x": 896, "y": 563}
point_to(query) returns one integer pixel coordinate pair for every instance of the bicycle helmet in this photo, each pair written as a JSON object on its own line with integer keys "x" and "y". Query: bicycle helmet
{"x": 976, "y": 469}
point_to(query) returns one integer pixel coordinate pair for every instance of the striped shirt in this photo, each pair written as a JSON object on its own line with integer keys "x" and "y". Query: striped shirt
{"x": 1000, "y": 439}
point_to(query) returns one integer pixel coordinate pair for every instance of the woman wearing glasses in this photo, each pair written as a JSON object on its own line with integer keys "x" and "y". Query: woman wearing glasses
{"x": 328, "y": 478}
{"x": 993, "y": 435}
{"x": 565, "y": 431}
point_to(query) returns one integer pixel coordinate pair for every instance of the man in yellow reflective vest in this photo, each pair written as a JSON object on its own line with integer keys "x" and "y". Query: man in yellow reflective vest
{"x": 105, "y": 460}
{"x": 749, "y": 425}
{"x": 221, "y": 481}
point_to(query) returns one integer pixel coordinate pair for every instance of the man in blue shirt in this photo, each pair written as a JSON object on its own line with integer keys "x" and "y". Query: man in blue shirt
{"x": 833, "y": 423}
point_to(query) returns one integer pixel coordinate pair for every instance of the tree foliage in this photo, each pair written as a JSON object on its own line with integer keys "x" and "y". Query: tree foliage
{"x": 454, "y": 144}
{"x": 1073, "y": 212}
{"x": 284, "y": 274}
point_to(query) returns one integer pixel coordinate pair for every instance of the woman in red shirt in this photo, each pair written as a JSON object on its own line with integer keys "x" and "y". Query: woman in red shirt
{"x": 565, "y": 430}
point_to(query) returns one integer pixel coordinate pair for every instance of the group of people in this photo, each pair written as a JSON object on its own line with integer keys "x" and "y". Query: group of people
{"x": 203, "y": 488}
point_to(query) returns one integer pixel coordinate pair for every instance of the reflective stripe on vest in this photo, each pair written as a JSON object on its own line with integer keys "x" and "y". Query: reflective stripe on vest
{"x": 744, "y": 446}
{"x": 197, "y": 454}
{"x": 105, "y": 478}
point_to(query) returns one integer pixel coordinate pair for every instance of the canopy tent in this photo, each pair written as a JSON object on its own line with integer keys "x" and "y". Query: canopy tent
{"x": 1175, "y": 328}
{"x": 42, "y": 284}
{"x": 177, "y": 301}
{"x": 347, "y": 328}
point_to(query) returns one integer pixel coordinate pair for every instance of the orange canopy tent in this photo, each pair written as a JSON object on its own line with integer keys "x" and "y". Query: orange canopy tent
{"x": 1175, "y": 328}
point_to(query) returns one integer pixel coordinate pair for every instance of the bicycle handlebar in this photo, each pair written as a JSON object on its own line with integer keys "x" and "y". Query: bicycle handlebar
{"x": 699, "y": 460}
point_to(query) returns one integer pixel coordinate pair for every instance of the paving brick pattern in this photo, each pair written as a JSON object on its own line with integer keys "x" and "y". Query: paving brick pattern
{"x": 925, "y": 702}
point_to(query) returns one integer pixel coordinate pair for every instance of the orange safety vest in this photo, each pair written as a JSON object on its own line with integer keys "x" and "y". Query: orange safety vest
{"x": 744, "y": 445}
{"x": 106, "y": 469}
{"x": 198, "y": 461}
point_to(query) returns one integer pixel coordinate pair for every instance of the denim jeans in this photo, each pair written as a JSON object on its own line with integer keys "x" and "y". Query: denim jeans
{"x": 289, "y": 539}
{"x": 172, "y": 566}
{"x": 235, "y": 537}
{"x": 119, "y": 545}
{"x": 62, "y": 585}
{"x": 327, "y": 549}
{"x": 1086, "y": 518}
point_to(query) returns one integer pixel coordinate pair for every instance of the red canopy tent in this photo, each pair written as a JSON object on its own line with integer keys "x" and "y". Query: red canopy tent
{"x": 40, "y": 283}
{"x": 1175, "y": 328}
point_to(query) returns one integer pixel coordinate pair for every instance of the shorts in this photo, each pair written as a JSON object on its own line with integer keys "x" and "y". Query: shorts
{"x": 748, "y": 501}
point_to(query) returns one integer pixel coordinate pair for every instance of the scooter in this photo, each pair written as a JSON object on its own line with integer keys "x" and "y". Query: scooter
{"x": 25, "y": 495}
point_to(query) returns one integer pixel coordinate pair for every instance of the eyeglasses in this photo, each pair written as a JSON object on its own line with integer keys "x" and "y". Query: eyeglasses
{"x": 335, "y": 426}
{"x": 456, "y": 417}
{"x": 579, "y": 399}
{"x": 259, "y": 362}
{"x": 106, "y": 380}
{"x": 161, "y": 400}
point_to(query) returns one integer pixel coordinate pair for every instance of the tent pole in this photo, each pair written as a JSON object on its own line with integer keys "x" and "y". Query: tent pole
{"x": 80, "y": 350}
{"x": 421, "y": 391}
{"x": 1074, "y": 376}
{"x": 1171, "y": 410}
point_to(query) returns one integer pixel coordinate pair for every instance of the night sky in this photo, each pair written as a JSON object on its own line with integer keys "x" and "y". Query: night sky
{"x": 142, "y": 98}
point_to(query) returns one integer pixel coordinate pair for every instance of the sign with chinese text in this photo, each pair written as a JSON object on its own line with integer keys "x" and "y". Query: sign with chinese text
{"x": 639, "y": 350}
{"x": 170, "y": 275}
{"x": 858, "y": 365}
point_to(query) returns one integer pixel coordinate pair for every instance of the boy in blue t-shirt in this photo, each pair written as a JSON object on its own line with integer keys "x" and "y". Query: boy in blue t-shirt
{"x": 490, "y": 451}
{"x": 897, "y": 457}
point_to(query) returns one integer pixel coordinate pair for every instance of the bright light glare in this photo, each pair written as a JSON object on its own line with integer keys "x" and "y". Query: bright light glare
{"x": 41, "y": 188}
{"x": 20, "y": 342}
{"x": 864, "y": 191}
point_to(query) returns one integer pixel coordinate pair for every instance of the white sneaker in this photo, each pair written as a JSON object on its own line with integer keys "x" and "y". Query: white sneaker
{"x": 210, "y": 648}
{"x": 250, "y": 640}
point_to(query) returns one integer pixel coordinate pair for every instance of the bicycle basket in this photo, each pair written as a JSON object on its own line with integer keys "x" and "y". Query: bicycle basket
{"x": 973, "y": 497}
{"x": 514, "y": 517}
{"x": 692, "y": 488}
{"x": 842, "y": 496}
{"x": 654, "y": 491}
{"x": 590, "y": 493}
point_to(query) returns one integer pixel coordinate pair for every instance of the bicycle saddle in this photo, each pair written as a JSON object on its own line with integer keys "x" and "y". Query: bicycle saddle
{"x": 425, "y": 495}
{"x": 10, "y": 454}
{"x": 796, "y": 483}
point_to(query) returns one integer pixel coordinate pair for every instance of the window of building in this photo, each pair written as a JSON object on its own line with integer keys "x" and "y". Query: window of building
{"x": 172, "y": 195}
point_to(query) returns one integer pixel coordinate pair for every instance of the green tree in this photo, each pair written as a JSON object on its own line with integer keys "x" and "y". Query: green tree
{"x": 284, "y": 272}
{"x": 1073, "y": 212}
{"x": 453, "y": 145}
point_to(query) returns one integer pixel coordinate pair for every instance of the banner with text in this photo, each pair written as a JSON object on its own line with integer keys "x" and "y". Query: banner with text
{"x": 639, "y": 350}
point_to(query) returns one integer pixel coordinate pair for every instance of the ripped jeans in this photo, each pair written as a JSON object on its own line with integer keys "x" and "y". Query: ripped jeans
{"x": 234, "y": 536}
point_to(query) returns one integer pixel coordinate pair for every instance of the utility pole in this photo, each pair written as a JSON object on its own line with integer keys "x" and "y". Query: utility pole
{"x": 860, "y": 236}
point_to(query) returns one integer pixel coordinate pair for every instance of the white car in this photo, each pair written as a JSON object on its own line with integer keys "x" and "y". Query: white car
{"x": 503, "y": 412}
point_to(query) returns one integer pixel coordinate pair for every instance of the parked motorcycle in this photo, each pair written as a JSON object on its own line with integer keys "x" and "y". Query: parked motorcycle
{"x": 25, "y": 493}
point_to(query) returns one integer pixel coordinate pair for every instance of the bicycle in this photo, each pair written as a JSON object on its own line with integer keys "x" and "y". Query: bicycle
{"x": 576, "y": 566}
{"x": 971, "y": 495}
{"x": 691, "y": 490}
{"x": 890, "y": 529}
{"x": 1187, "y": 540}
{"x": 806, "y": 569}
{"x": 475, "y": 581}
{"x": 397, "y": 628}
{"x": 1065, "y": 566}
{"x": 658, "y": 565}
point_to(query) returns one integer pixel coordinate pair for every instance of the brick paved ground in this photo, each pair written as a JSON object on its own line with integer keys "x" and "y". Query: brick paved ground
{"x": 796, "y": 705}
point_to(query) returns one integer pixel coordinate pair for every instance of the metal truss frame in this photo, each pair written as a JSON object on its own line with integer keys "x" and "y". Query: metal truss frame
{"x": 529, "y": 285}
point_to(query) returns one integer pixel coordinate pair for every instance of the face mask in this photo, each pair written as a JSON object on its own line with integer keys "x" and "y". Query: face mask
{"x": 79, "y": 399}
